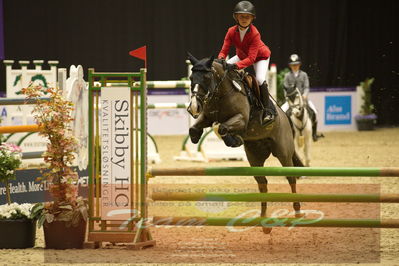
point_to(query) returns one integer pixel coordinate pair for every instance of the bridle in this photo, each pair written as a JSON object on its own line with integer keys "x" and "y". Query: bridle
{"x": 213, "y": 90}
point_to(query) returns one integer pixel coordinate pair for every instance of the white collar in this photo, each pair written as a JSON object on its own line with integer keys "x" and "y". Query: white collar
{"x": 244, "y": 30}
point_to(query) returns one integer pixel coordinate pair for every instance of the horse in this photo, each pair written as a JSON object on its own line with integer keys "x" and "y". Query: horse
{"x": 218, "y": 99}
{"x": 299, "y": 115}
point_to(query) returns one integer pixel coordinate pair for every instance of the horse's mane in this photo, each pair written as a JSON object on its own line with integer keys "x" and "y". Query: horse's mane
{"x": 218, "y": 67}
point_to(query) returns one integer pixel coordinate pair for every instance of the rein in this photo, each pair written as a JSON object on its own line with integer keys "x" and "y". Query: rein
{"x": 213, "y": 96}
{"x": 210, "y": 96}
{"x": 211, "y": 93}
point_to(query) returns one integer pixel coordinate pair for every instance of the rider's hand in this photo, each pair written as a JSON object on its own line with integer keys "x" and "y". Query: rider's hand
{"x": 305, "y": 97}
{"x": 230, "y": 67}
{"x": 222, "y": 61}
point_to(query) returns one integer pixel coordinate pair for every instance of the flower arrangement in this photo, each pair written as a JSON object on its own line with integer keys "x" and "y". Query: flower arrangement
{"x": 53, "y": 118}
{"x": 15, "y": 211}
{"x": 366, "y": 118}
{"x": 10, "y": 159}
{"x": 280, "y": 86}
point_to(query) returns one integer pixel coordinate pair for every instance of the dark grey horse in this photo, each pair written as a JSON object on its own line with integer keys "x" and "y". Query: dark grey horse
{"x": 216, "y": 98}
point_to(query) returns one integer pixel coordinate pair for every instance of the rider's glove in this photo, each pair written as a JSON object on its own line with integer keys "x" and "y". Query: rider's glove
{"x": 230, "y": 67}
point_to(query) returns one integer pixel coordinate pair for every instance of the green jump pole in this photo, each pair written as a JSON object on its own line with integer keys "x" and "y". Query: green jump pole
{"x": 275, "y": 222}
{"x": 273, "y": 171}
{"x": 274, "y": 197}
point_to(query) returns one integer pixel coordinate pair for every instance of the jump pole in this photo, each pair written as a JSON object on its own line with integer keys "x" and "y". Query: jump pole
{"x": 167, "y": 106}
{"x": 274, "y": 197}
{"x": 273, "y": 171}
{"x": 275, "y": 222}
{"x": 21, "y": 128}
{"x": 17, "y": 101}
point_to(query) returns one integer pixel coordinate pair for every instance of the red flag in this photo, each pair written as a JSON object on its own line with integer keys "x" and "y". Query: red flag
{"x": 140, "y": 53}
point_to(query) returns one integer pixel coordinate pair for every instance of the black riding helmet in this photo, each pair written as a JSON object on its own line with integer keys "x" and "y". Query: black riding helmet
{"x": 244, "y": 7}
{"x": 294, "y": 60}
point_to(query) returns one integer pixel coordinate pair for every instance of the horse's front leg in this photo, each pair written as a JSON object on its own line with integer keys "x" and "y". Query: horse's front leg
{"x": 235, "y": 124}
{"x": 197, "y": 129}
{"x": 229, "y": 129}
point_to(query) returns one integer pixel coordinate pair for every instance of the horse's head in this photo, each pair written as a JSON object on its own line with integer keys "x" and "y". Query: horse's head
{"x": 295, "y": 102}
{"x": 202, "y": 83}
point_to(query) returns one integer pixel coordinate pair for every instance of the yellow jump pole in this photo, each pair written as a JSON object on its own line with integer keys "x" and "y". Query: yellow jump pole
{"x": 21, "y": 128}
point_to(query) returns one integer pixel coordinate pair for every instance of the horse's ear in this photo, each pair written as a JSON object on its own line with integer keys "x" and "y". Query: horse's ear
{"x": 192, "y": 59}
{"x": 210, "y": 61}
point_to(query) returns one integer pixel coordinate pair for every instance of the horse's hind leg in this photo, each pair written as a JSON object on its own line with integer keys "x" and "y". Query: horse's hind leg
{"x": 287, "y": 162}
{"x": 296, "y": 205}
{"x": 306, "y": 148}
{"x": 257, "y": 157}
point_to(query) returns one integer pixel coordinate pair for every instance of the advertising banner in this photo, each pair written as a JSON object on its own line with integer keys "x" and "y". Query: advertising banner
{"x": 115, "y": 127}
{"x": 336, "y": 108}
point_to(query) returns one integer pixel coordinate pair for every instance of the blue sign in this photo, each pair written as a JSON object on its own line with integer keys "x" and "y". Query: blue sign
{"x": 338, "y": 110}
{"x": 27, "y": 189}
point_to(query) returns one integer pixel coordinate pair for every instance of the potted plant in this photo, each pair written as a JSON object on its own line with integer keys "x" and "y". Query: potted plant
{"x": 367, "y": 118}
{"x": 17, "y": 225}
{"x": 280, "y": 86}
{"x": 64, "y": 218}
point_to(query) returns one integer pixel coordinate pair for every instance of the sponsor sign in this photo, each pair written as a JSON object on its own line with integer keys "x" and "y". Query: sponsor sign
{"x": 338, "y": 110}
{"x": 115, "y": 126}
{"x": 26, "y": 188}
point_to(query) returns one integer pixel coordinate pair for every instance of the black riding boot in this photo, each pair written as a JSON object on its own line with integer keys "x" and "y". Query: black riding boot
{"x": 313, "y": 118}
{"x": 269, "y": 111}
{"x": 314, "y": 131}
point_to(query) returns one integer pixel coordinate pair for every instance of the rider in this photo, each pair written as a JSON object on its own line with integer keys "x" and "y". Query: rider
{"x": 250, "y": 50}
{"x": 299, "y": 79}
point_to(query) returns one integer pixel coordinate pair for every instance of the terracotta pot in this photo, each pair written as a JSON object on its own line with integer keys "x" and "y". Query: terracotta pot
{"x": 58, "y": 236}
{"x": 17, "y": 233}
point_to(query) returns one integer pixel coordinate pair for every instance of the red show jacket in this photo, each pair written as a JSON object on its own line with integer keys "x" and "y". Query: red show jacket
{"x": 250, "y": 50}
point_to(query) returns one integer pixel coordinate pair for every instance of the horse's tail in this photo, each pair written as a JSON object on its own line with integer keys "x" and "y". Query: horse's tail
{"x": 297, "y": 161}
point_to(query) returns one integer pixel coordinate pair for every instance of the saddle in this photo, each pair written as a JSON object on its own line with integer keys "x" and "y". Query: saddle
{"x": 251, "y": 86}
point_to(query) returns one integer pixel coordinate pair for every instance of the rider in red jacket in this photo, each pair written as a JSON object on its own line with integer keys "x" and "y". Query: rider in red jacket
{"x": 250, "y": 50}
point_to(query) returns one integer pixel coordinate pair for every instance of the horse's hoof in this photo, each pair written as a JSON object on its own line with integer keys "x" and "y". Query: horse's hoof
{"x": 237, "y": 141}
{"x": 228, "y": 140}
{"x": 195, "y": 134}
{"x": 267, "y": 230}
{"x": 222, "y": 130}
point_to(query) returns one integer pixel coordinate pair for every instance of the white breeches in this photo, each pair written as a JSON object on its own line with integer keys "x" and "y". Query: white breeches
{"x": 261, "y": 67}
{"x": 285, "y": 106}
